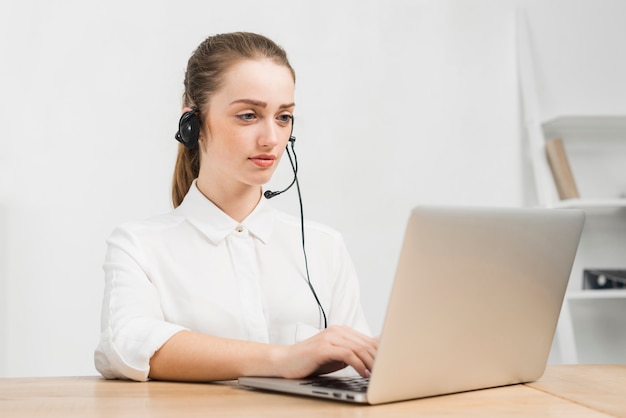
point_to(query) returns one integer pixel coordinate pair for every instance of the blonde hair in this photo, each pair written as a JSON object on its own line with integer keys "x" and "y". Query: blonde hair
{"x": 204, "y": 76}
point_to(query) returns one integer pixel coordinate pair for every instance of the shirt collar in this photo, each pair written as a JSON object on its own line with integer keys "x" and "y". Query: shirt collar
{"x": 217, "y": 225}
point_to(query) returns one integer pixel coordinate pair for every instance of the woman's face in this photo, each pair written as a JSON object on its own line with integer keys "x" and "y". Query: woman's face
{"x": 247, "y": 125}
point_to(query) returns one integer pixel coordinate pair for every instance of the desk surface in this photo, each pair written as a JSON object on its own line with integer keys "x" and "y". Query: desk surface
{"x": 572, "y": 391}
{"x": 600, "y": 387}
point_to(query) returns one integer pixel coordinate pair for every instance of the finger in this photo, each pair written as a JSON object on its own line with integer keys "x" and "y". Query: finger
{"x": 352, "y": 359}
{"x": 363, "y": 346}
{"x": 338, "y": 345}
{"x": 358, "y": 358}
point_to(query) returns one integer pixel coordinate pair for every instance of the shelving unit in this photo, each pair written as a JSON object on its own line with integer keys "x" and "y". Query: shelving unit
{"x": 592, "y": 326}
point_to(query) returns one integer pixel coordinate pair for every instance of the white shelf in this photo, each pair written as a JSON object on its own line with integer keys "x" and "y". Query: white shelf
{"x": 590, "y": 203}
{"x": 571, "y": 128}
{"x": 599, "y": 294}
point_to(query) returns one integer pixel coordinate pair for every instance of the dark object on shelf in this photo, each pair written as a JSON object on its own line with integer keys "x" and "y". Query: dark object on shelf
{"x": 604, "y": 279}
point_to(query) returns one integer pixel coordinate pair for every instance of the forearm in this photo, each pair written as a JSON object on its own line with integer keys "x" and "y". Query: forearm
{"x": 190, "y": 356}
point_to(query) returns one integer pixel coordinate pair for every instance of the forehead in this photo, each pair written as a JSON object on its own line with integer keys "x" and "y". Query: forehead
{"x": 258, "y": 79}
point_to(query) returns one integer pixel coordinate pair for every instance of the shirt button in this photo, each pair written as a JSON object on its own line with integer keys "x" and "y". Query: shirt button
{"x": 239, "y": 228}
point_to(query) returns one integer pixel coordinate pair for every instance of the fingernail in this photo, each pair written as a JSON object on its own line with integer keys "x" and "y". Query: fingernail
{"x": 367, "y": 373}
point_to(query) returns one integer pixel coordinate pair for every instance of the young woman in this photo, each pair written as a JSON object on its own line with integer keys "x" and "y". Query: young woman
{"x": 221, "y": 287}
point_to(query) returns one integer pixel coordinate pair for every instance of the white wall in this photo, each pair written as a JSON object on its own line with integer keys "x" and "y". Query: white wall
{"x": 398, "y": 103}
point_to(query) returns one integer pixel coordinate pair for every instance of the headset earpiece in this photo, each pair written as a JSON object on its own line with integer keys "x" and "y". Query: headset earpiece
{"x": 189, "y": 129}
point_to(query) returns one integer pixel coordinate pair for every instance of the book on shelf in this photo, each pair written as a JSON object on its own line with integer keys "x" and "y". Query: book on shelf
{"x": 561, "y": 170}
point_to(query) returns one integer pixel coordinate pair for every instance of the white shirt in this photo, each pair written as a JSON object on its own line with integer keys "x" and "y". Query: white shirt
{"x": 198, "y": 269}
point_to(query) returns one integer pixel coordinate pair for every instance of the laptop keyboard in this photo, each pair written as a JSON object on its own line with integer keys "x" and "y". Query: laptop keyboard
{"x": 355, "y": 384}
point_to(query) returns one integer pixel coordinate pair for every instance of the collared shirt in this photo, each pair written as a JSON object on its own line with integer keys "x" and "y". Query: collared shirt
{"x": 198, "y": 269}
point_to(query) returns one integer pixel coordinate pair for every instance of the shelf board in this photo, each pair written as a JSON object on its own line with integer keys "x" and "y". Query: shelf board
{"x": 597, "y": 294}
{"x": 574, "y": 127}
{"x": 590, "y": 203}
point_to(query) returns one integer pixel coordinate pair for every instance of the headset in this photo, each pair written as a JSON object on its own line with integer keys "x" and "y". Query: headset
{"x": 188, "y": 134}
{"x": 189, "y": 129}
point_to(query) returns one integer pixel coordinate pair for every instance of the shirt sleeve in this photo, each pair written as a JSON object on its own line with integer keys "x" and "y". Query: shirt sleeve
{"x": 133, "y": 327}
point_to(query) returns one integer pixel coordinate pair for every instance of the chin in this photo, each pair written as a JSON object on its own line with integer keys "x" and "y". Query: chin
{"x": 262, "y": 179}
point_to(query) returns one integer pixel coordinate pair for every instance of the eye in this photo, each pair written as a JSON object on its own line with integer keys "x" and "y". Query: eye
{"x": 285, "y": 118}
{"x": 246, "y": 117}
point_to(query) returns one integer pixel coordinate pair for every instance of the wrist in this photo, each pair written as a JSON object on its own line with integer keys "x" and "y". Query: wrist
{"x": 277, "y": 359}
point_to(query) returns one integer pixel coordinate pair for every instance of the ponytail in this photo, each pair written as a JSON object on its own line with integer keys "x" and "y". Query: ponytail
{"x": 185, "y": 171}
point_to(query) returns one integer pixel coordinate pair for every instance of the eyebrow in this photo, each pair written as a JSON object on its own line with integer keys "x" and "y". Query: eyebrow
{"x": 259, "y": 103}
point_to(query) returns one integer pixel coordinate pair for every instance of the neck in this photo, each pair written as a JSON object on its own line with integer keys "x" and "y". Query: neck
{"x": 237, "y": 204}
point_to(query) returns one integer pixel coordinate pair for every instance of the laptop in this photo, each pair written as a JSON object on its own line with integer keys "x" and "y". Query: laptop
{"x": 474, "y": 304}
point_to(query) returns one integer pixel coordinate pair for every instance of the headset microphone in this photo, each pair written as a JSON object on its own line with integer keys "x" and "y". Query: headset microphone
{"x": 294, "y": 166}
{"x": 269, "y": 194}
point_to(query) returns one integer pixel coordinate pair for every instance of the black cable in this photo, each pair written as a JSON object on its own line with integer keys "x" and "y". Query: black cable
{"x": 294, "y": 166}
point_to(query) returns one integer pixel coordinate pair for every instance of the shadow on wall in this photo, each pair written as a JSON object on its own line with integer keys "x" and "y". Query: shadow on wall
{"x": 4, "y": 244}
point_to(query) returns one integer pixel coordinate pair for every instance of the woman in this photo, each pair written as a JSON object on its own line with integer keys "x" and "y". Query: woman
{"x": 218, "y": 288}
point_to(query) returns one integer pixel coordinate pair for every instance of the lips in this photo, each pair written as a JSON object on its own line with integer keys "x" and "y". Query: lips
{"x": 263, "y": 160}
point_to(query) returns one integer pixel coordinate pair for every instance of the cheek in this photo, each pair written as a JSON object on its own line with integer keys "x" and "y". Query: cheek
{"x": 225, "y": 152}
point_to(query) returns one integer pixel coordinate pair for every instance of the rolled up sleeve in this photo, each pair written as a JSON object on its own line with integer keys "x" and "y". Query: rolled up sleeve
{"x": 133, "y": 327}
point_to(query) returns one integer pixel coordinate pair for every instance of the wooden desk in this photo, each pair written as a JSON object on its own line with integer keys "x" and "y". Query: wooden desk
{"x": 564, "y": 391}
{"x": 600, "y": 387}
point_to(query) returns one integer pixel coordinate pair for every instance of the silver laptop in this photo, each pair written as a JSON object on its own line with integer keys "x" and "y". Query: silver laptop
{"x": 474, "y": 304}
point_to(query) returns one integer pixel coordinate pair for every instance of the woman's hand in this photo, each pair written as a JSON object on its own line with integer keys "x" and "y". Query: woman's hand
{"x": 332, "y": 349}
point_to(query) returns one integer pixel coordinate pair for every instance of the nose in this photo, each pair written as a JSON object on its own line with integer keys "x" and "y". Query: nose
{"x": 270, "y": 135}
